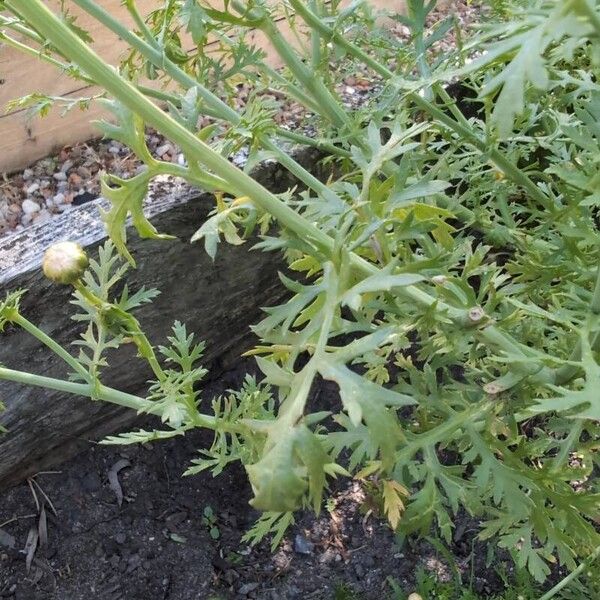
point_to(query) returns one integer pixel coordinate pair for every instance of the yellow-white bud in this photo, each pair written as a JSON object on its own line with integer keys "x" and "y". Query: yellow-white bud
{"x": 415, "y": 596}
{"x": 65, "y": 262}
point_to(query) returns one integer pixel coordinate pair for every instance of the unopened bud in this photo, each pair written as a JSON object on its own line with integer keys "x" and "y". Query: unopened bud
{"x": 65, "y": 262}
{"x": 415, "y": 596}
{"x": 439, "y": 279}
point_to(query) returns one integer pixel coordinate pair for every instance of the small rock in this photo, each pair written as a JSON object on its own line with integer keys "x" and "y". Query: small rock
{"x": 133, "y": 562}
{"x": 27, "y": 174}
{"x": 6, "y": 540}
{"x": 58, "y": 198}
{"x": 302, "y": 545}
{"x": 162, "y": 150}
{"x": 84, "y": 172}
{"x": 60, "y": 176}
{"x": 66, "y": 166}
{"x": 247, "y": 588}
{"x": 75, "y": 179}
{"x": 29, "y": 206}
{"x": 34, "y": 187}
{"x": 83, "y": 198}
{"x": 120, "y": 538}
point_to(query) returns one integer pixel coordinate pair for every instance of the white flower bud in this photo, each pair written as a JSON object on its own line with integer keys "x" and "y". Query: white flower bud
{"x": 64, "y": 262}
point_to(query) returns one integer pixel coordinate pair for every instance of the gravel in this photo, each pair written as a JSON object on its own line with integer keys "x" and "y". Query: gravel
{"x": 55, "y": 184}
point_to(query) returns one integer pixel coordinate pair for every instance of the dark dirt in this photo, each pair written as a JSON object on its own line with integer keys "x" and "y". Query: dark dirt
{"x": 158, "y": 544}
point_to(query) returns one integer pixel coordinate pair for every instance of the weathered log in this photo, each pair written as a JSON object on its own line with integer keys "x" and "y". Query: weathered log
{"x": 218, "y": 302}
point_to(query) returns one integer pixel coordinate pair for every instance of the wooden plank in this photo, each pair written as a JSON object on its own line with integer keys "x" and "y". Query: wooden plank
{"x": 24, "y": 140}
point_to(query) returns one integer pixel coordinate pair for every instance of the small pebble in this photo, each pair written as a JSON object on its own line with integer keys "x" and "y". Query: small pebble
{"x": 247, "y": 588}
{"x": 120, "y": 538}
{"x": 302, "y": 545}
{"x": 29, "y": 206}
{"x": 162, "y": 150}
{"x": 58, "y": 198}
{"x": 60, "y": 176}
{"x": 27, "y": 174}
{"x": 34, "y": 187}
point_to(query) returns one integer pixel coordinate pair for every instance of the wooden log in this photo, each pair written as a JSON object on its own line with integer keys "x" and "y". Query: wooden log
{"x": 218, "y": 302}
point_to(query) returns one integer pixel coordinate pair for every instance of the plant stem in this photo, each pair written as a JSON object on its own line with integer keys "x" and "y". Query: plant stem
{"x": 133, "y": 11}
{"x": 52, "y": 345}
{"x": 104, "y": 75}
{"x": 572, "y": 576}
{"x": 98, "y": 391}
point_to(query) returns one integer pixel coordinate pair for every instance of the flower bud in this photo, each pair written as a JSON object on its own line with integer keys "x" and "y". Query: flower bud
{"x": 64, "y": 262}
{"x": 415, "y": 596}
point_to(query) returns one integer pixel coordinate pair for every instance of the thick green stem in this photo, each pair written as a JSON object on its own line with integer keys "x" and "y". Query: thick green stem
{"x": 98, "y": 391}
{"x": 572, "y": 576}
{"x": 105, "y": 76}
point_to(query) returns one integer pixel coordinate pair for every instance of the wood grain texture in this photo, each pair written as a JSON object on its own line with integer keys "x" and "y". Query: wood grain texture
{"x": 218, "y": 302}
{"x": 24, "y": 140}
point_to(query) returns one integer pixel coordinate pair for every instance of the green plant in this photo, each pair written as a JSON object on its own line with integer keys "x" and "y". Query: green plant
{"x": 447, "y": 274}
{"x": 212, "y": 523}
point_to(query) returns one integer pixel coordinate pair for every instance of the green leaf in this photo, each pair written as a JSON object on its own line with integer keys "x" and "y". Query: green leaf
{"x": 127, "y": 198}
{"x": 382, "y": 282}
{"x": 278, "y": 480}
{"x": 583, "y": 403}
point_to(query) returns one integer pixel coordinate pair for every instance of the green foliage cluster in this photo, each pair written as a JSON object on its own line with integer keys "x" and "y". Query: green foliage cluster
{"x": 446, "y": 277}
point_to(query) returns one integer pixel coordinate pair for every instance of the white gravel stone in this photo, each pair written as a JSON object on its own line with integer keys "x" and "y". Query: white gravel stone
{"x": 27, "y": 174}
{"x": 162, "y": 150}
{"x": 34, "y": 187}
{"x": 30, "y": 207}
{"x": 60, "y": 176}
{"x": 58, "y": 198}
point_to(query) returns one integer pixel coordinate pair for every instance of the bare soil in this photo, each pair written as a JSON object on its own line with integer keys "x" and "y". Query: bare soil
{"x": 158, "y": 545}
